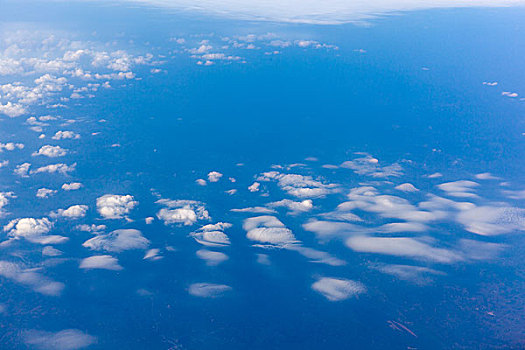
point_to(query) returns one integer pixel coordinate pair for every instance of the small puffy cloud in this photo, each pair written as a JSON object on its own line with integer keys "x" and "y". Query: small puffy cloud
{"x": 268, "y": 229}
{"x": 105, "y": 262}
{"x": 299, "y": 185}
{"x": 11, "y": 146}
{"x": 96, "y": 229}
{"x": 212, "y": 235}
{"x": 63, "y": 135}
{"x": 118, "y": 241}
{"x": 12, "y": 109}
{"x": 67, "y": 339}
{"x": 34, "y": 230}
{"x": 406, "y": 187}
{"x": 200, "y": 182}
{"x": 30, "y": 278}
{"x": 338, "y": 289}
{"x": 152, "y": 254}
{"x": 461, "y": 188}
{"x": 51, "y": 151}
{"x": 214, "y": 176}
{"x": 370, "y": 166}
{"x": 4, "y": 199}
{"x": 254, "y": 187}
{"x": 208, "y": 290}
{"x": 212, "y": 258}
{"x": 22, "y": 170}
{"x": 73, "y": 212}
{"x": 294, "y": 207}
{"x": 71, "y": 186}
{"x": 59, "y": 168}
{"x": 45, "y": 192}
{"x": 184, "y": 212}
{"x": 113, "y": 206}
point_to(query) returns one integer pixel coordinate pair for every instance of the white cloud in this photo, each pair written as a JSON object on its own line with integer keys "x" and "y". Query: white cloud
{"x": 118, "y": 241}
{"x": 214, "y": 176}
{"x": 315, "y": 12}
{"x": 60, "y": 168}
{"x": 45, "y": 192}
{"x": 113, "y": 206}
{"x": 62, "y": 135}
{"x": 51, "y": 151}
{"x": 338, "y": 289}
{"x": 50, "y": 251}
{"x": 461, "y": 188}
{"x": 11, "y": 146}
{"x": 12, "y": 109}
{"x": 212, "y": 235}
{"x": 268, "y": 229}
{"x": 254, "y": 187}
{"x": 71, "y": 186}
{"x": 299, "y": 185}
{"x": 22, "y": 170}
{"x": 492, "y": 220}
{"x": 105, "y": 262}
{"x": 208, "y": 290}
{"x": 402, "y": 247}
{"x": 30, "y": 278}
{"x": 255, "y": 210}
{"x": 369, "y": 166}
{"x": 184, "y": 212}
{"x": 33, "y": 230}
{"x": 406, "y": 187}
{"x": 200, "y": 182}
{"x": 212, "y": 258}
{"x": 67, "y": 339}
{"x": 73, "y": 212}
{"x": 294, "y": 207}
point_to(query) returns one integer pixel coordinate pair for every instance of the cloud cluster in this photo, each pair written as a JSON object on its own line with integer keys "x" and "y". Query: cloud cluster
{"x": 184, "y": 212}
{"x": 113, "y": 206}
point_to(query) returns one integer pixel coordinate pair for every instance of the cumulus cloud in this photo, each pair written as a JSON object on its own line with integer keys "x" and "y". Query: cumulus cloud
{"x": 73, "y": 212}
{"x": 113, "y": 206}
{"x": 406, "y": 187}
{"x": 370, "y": 166}
{"x": 268, "y": 229}
{"x": 45, "y": 192}
{"x": 10, "y": 146}
{"x": 185, "y": 212}
{"x": 63, "y": 135}
{"x": 30, "y": 278}
{"x": 12, "y": 109}
{"x": 294, "y": 207}
{"x": 118, "y": 241}
{"x": 67, "y": 339}
{"x": 214, "y": 176}
{"x": 71, "y": 186}
{"x": 208, "y": 290}
{"x": 212, "y": 235}
{"x": 34, "y": 230}
{"x": 105, "y": 262}
{"x": 254, "y": 187}
{"x": 299, "y": 185}
{"x": 51, "y": 151}
{"x": 338, "y": 289}
{"x": 59, "y": 168}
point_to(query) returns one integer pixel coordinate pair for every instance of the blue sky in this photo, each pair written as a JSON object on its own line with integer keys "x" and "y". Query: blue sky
{"x": 337, "y": 174}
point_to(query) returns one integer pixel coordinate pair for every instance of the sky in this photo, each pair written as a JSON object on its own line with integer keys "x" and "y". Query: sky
{"x": 178, "y": 175}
